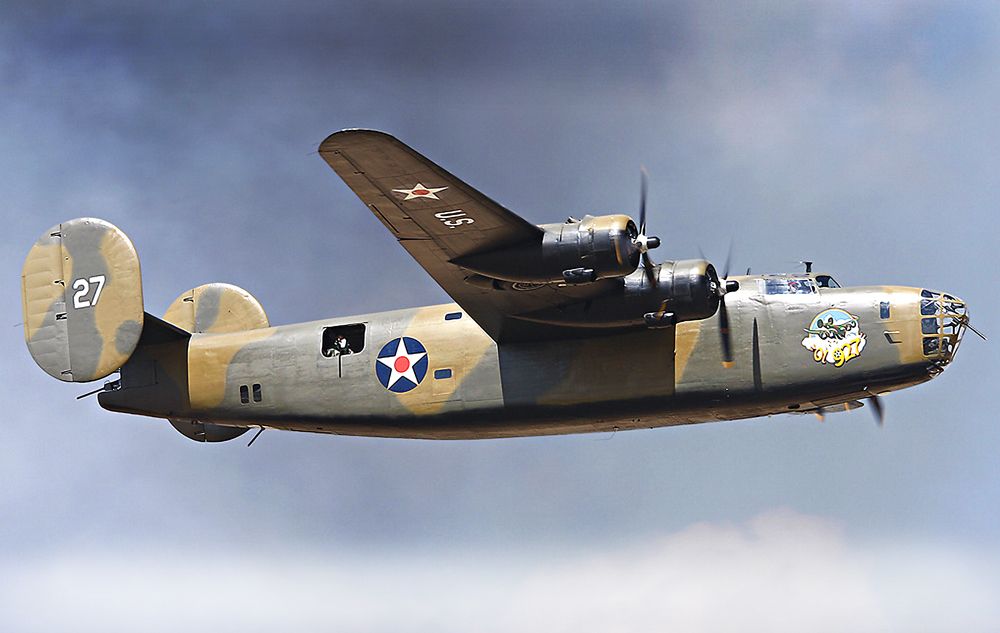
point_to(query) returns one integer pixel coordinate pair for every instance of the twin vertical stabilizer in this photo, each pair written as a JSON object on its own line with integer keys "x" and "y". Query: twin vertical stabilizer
{"x": 81, "y": 292}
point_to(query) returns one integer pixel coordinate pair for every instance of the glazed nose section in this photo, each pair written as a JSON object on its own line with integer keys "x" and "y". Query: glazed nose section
{"x": 943, "y": 320}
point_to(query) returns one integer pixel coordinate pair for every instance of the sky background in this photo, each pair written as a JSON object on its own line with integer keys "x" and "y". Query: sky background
{"x": 860, "y": 135}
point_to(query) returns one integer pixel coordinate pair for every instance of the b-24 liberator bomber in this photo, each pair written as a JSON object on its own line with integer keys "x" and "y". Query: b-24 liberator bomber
{"x": 567, "y": 327}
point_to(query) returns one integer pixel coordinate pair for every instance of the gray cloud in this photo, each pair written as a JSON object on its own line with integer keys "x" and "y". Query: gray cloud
{"x": 778, "y": 572}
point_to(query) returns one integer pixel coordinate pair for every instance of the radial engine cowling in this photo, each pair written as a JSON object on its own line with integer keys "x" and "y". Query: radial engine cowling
{"x": 691, "y": 287}
{"x": 573, "y": 252}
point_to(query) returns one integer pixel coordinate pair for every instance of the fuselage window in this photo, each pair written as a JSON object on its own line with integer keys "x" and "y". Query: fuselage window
{"x": 931, "y": 346}
{"x": 883, "y": 309}
{"x": 256, "y": 392}
{"x": 937, "y": 346}
{"x": 826, "y": 281}
{"x": 343, "y": 340}
{"x": 788, "y": 286}
{"x": 244, "y": 394}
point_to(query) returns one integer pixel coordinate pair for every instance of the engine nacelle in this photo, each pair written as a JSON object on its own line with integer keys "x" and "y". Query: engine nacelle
{"x": 690, "y": 287}
{"x": 573, "y": 252}
{"x": 685, "y": 290}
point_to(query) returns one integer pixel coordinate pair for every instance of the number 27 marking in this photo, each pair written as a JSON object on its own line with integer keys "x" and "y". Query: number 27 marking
{"x": 82, "y": 287}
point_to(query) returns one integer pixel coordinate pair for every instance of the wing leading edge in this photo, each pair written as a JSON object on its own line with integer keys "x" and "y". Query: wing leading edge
{"x": 438, "y": 218}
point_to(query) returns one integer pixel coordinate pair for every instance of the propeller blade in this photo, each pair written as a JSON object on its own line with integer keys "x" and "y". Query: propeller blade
{"x": 647, "y": 265}
{"x": 877, "y": 410}
{"x": 729, "y": 257}
{"x": 724, "y": 336}
{"x": 643, "y": 177}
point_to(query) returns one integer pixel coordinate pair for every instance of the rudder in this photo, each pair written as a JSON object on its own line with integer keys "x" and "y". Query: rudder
{"x": 81, "y": 292}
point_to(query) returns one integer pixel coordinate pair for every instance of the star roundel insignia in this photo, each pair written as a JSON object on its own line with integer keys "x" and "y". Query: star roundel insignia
{"x": 401, "y": 364}
{"x": 420, "y": 191}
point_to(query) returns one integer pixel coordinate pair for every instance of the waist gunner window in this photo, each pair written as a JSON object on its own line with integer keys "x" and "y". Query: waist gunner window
{"x": 343, "y": 340}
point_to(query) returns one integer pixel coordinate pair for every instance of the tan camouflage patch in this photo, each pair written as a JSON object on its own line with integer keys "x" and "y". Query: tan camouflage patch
{"x": 216, "y": 308}
{"x": 904, "y": 311}
{"x": 118, "y": 315}
{"x": 688, "y": 335}
{"x": 209, "y": 356}
{"x": 458, "y": 345}
{"x": 41, "y": 284}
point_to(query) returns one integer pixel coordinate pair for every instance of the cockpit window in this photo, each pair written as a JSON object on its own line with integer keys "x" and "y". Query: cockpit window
{"x": 826, "y": 281}
{"x": 785, "y": 286}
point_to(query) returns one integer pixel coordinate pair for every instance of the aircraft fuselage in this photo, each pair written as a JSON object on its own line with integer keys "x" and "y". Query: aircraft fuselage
{"x": 433, "y": 373}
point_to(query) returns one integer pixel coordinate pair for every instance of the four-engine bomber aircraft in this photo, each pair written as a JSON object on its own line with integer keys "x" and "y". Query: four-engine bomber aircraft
{"x": 559, "y": 328}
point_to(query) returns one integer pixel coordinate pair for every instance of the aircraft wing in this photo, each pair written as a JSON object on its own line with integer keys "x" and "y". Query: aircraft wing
{"x": 438, "y": 218}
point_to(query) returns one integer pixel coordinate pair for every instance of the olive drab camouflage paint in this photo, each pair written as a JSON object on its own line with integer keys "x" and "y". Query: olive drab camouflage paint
{"x": 555, "y": 329}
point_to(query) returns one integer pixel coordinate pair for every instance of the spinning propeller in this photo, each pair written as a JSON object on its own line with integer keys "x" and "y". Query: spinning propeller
{"x": 877, "y": 410}
{"x": 722, "y": 287}
{"x": 643, "y": 242}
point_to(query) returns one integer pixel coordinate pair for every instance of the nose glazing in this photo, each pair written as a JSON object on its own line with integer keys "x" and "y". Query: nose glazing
{"x": 943, "y": 319}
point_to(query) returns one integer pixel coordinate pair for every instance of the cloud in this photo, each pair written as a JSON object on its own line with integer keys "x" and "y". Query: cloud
{"x": 194, "y": 128}
{"x": 781, "y": 571}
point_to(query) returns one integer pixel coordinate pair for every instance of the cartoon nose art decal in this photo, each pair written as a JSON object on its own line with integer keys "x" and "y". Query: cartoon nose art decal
{"x": 835, "y": 337}
{"x": 401, "y": 364}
